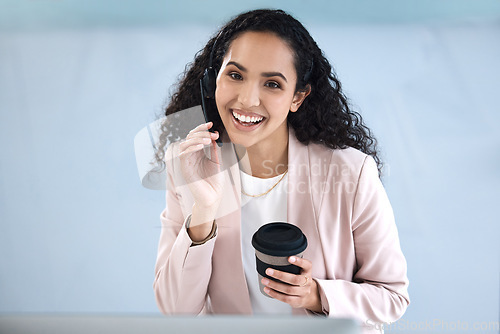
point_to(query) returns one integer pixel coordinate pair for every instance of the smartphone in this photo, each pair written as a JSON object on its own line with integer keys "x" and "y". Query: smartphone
{"x": 219, "y": 140}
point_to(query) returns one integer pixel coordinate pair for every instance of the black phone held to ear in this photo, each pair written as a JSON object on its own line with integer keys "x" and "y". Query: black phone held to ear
{"x": 207, "y": 85}
{"x": 204, "y": 96}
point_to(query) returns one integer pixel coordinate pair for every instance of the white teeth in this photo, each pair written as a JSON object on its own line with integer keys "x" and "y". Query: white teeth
{"x": 247, "y": 119}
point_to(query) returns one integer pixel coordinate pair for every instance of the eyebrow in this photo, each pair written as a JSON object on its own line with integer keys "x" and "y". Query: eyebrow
{"x": 264, "y": 74}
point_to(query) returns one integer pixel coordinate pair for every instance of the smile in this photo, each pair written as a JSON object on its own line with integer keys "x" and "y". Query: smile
{"x": 247, "y": 120}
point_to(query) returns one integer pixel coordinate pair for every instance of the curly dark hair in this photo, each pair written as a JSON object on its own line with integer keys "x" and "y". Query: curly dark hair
{"x": 324, "y": 116}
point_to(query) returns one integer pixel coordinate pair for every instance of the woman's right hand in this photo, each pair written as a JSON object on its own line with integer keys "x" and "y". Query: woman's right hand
{"x": 203, "y": 175}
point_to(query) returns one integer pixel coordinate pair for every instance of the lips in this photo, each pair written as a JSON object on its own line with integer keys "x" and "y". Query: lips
{"x": 247, "y": 118}
{"x": 246, "y": 121}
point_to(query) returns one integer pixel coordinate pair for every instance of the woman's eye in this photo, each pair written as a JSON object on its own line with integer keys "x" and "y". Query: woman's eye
{"x": 235, "y": 76}
{"x": 272, "y": 84}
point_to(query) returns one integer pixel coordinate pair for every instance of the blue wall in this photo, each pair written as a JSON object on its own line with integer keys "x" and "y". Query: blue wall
{"x": 78, "y": 233}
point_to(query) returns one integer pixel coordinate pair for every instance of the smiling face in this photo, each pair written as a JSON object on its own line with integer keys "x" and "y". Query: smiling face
{"x": 256, "y": 91}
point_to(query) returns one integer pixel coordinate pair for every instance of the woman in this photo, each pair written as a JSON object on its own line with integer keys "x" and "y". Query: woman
{"x": 293, "y": 151}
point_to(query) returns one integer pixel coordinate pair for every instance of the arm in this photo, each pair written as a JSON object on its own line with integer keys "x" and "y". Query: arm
{"x": 182, "y": 271}
{"x": 378, "y": 291}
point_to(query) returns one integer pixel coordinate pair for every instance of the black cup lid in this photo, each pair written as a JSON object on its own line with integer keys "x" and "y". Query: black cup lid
{"x": 279, "y": 239}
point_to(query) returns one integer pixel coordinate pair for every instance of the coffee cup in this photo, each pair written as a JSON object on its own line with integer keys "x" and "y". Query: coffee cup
{"x": 274, "y": 243}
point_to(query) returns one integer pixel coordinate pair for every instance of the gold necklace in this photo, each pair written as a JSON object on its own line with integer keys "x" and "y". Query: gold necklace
{"x": 266, "y": 192}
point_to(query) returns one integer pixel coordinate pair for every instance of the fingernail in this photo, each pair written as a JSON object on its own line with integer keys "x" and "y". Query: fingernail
{"x": 265, "y": 281}
{"x": 292, "y": 259}
{"x": 266, "y": 290}
{"x": 207, "y": 140}
{"x": 270, "y": 271}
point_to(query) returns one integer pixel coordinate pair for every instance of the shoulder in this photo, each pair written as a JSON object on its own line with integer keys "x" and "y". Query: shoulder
{"x": 348, "y": 155}
{"x": 341, "y": 162}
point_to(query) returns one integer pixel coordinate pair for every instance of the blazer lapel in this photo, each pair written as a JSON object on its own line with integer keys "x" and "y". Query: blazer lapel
{"x": 300, "y": 210}
{"x": 228, "y": 284}
{"x": 303, "y": 191}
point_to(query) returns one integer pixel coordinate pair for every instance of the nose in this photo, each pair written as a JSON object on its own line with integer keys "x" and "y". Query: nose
{"x": 249, "y": 95}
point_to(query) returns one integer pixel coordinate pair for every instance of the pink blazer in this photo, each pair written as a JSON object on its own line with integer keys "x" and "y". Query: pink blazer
{"x": 337, "y": 200}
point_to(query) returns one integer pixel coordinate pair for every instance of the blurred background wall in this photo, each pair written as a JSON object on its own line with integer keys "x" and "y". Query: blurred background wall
{"x": 78, "y": 80}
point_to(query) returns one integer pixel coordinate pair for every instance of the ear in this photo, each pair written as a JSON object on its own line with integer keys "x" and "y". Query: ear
{"x": 299, "y": 97}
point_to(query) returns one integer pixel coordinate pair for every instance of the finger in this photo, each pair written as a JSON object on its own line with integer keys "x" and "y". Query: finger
{"x": 203, "y": 134}
{"x": 214, "y": 150}
{"x": 286, "y": 277}
{"x": 206, "y": 138}
{"x": 191, "y": 149}
{"x": 200, "y": 130}
{"x": 184, "y": 145}
{"x": 214, "y": 135}
{"x": 198, "y": 139}
{"x": 214, "y": 154}
{"x": 287, "y": 289}
{"x": 305, "y": 264}
{"x": 293, "y": 301}
{"x": 202, "y": 127}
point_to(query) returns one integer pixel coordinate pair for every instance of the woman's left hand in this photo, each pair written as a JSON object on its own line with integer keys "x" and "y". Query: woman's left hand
{"x": 301, "y": 290}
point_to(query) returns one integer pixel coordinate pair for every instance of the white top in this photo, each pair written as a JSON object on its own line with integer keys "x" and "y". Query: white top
{"x": 256, "y": 212}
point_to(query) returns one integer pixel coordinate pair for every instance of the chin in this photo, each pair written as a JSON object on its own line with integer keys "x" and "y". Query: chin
{"x": 241, "y": 140}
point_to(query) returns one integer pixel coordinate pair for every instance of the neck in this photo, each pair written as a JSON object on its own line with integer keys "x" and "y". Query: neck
{"x": 264, "y": 162}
